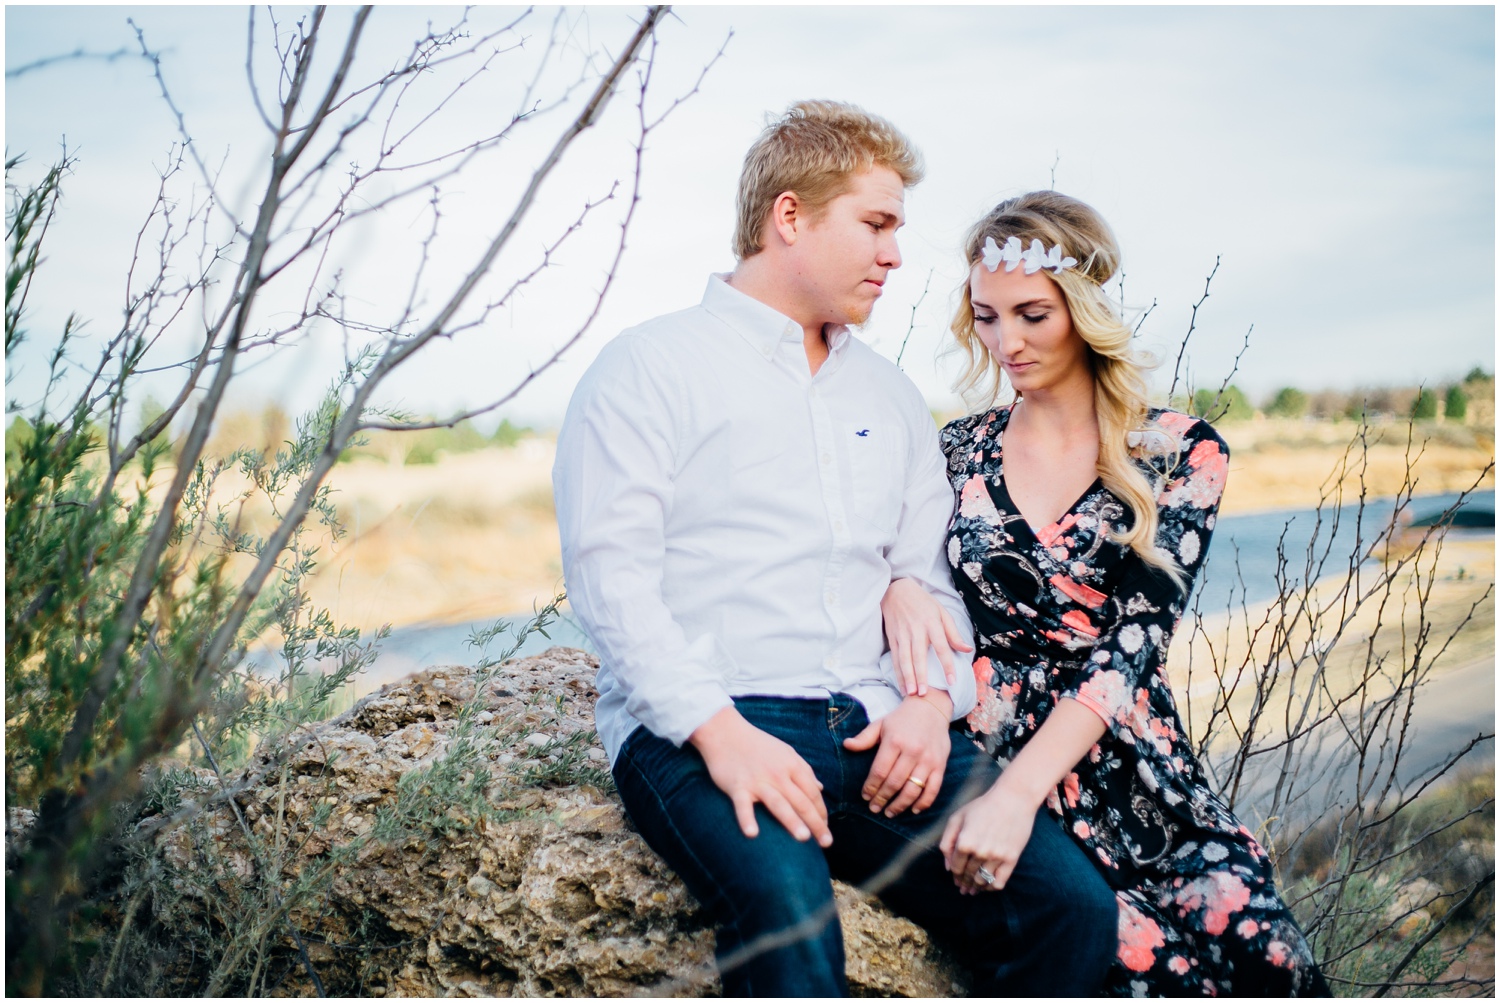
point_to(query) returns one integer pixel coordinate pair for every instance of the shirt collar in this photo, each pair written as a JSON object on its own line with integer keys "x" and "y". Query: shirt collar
{"x": 762, "y": 326}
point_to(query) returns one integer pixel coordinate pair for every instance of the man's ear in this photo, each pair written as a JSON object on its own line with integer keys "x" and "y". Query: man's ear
{"x": 786, "y": 214}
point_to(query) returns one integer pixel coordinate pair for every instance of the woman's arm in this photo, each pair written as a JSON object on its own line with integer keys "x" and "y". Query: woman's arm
{"x": 1105, "y": 693}
{"x": 915, "y": 622}
{"x": 993, "y": 829}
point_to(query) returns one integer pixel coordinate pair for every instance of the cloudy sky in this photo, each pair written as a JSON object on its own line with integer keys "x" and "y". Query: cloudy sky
{"x": 1339, "y": 161}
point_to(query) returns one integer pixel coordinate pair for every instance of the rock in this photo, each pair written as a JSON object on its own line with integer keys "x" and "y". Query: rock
{"x": 1410, "y": 908}
{"x": 18, "y": 823}
{"x": 552, "y": 893}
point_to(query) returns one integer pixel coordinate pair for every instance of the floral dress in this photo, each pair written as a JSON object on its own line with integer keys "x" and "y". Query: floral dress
{"x": 1063, "y": 611}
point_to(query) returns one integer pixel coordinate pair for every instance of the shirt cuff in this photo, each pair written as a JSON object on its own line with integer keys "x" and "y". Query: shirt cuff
{"x": 962, "y": 695}
{"x": 675, "y": 713}
{"x": 963, "y": 670}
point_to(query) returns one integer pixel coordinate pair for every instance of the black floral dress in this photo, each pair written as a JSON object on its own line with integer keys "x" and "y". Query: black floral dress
{"x": 1063, "y": 611}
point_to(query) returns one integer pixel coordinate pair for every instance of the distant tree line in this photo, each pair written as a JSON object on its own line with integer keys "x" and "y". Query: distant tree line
{"x": 1472, "y": 400}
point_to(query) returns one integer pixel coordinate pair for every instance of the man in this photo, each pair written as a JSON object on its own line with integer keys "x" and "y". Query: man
{"x": 737, "y": 484}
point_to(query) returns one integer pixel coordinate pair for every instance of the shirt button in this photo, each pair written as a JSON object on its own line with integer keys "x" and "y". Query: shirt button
{"x": 826, "y": 458}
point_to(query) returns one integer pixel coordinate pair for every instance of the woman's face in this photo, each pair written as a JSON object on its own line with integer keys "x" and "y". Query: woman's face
{"x": 1024, "y": 322}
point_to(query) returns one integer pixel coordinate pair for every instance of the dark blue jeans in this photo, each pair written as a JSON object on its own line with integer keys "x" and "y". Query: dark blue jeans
{"x": 1050, "y": 932}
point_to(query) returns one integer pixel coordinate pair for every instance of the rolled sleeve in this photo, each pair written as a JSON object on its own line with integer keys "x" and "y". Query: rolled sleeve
{"x": 917, "y": 554}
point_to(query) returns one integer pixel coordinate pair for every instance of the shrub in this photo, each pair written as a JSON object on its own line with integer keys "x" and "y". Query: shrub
{"x": 1455, "y": 403}
{"x": 139, "y": 572}
{"x": 1425, "y": 407}
{"x": 1227, "y": 405}
{"x": 507, "y": 435}
{"x": 1289, "y": 402}
{"x": 1300, "y": 712}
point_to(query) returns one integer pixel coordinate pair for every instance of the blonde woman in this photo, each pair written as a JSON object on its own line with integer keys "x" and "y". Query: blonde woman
{"x": 1083, "y": 516}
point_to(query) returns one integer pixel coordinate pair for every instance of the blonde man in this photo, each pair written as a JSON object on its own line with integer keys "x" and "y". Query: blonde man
{"x": 737, "y": 485}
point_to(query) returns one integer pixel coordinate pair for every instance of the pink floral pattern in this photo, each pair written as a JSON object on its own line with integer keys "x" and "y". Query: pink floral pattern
{"x": 1063, "y": 611}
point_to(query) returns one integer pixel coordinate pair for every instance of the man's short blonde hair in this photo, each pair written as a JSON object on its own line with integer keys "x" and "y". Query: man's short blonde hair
{"x": 813, "y": 151}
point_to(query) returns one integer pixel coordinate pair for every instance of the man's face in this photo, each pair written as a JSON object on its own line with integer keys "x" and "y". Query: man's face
{"x": 843, "y": 255}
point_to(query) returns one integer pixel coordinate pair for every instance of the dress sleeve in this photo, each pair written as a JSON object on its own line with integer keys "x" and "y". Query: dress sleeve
{"x": 1127, "y": 659}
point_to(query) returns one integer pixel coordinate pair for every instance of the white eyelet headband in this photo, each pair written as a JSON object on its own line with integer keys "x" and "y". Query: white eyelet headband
{"x": 1032, "y": 259}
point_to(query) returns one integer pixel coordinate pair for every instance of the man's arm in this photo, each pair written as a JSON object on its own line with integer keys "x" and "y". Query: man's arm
{"x": 612, "y": 486}
{"x": 913, "y": 739}
{"x": 917, "y": 557}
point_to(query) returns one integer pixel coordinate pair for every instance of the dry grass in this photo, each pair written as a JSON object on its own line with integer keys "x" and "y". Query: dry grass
{"x": 470, "y": 536}
{"x": 1284, "y": 463}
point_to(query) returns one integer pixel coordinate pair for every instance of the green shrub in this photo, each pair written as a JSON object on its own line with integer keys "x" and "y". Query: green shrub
{"x": 1289, "y": 402}
{"x": 507, "y": 435}
{"x": 1425, "y": 407}
{"x": 1227, "y": 405}
{"x": 133, "y": 589}
{"x": 1455, "y": 403}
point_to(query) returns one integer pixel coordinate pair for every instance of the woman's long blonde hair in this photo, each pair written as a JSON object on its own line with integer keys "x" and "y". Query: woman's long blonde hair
{"x": 1121, "y": 399}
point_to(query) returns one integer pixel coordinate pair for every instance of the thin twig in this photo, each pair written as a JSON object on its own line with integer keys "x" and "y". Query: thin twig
{"x": 912, "y": 324}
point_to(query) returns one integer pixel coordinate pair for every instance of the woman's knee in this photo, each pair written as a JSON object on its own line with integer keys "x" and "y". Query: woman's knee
{"x": 1094, "y": 914}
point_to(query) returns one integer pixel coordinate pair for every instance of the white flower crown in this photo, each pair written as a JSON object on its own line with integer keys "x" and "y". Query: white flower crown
{"x": 1032, "y": 259}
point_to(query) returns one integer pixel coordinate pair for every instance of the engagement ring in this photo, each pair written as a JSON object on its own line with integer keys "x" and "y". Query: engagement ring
{"x": 985, "y": 876}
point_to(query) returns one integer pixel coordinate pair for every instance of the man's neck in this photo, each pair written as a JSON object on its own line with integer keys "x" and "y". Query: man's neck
{"x": 758, "y": 279}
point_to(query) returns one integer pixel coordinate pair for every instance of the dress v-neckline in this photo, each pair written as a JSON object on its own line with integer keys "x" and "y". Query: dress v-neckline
{"x": 1010, "y": 501}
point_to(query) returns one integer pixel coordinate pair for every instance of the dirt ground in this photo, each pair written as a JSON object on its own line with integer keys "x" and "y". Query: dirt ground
{"x": 1288, "y": 463}
{"x": 467, "y": 537}
{"x": 1451, "y": 594}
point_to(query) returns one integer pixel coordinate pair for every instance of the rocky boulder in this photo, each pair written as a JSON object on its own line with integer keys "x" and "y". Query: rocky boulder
{"x": 549, "y": 892}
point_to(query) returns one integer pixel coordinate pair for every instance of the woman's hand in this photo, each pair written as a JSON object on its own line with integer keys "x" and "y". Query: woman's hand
{"x": 988, "y": 835}
{"x": 914, "y": 746}
{"x": 914, "y": 622}
{"x": 991, "y": 831}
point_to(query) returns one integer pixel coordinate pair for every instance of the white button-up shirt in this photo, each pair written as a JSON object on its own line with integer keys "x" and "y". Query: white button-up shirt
{"x": 730, "y": 522}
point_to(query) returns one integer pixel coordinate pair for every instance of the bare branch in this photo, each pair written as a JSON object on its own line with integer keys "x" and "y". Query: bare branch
{"x": 1192, "y": 326}
{"x": 912, "y": 323}
{"x": 77, "y": 55}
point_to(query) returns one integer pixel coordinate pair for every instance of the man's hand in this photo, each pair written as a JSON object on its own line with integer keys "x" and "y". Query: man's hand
{"x": 750, "y": 765}
{"x": 914, "y": 622}
{"x": 913, "y": 753}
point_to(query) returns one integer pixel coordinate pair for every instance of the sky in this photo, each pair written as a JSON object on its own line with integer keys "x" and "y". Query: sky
{"x": 1338, "y": 163}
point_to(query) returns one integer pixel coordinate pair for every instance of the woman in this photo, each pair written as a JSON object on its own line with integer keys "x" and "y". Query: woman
{"x": 1083, "y": 516}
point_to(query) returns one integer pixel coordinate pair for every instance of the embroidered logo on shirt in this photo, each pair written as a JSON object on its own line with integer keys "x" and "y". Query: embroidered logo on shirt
{"x": 862, "y": 432}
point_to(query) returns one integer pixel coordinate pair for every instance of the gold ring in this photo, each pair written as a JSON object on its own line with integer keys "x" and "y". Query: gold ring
{"x": 913, "y": 780}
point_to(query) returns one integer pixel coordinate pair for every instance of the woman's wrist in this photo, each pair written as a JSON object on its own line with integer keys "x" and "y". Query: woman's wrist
{"x": 1021, "y": 784}
{"x": 939, "y": 701}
